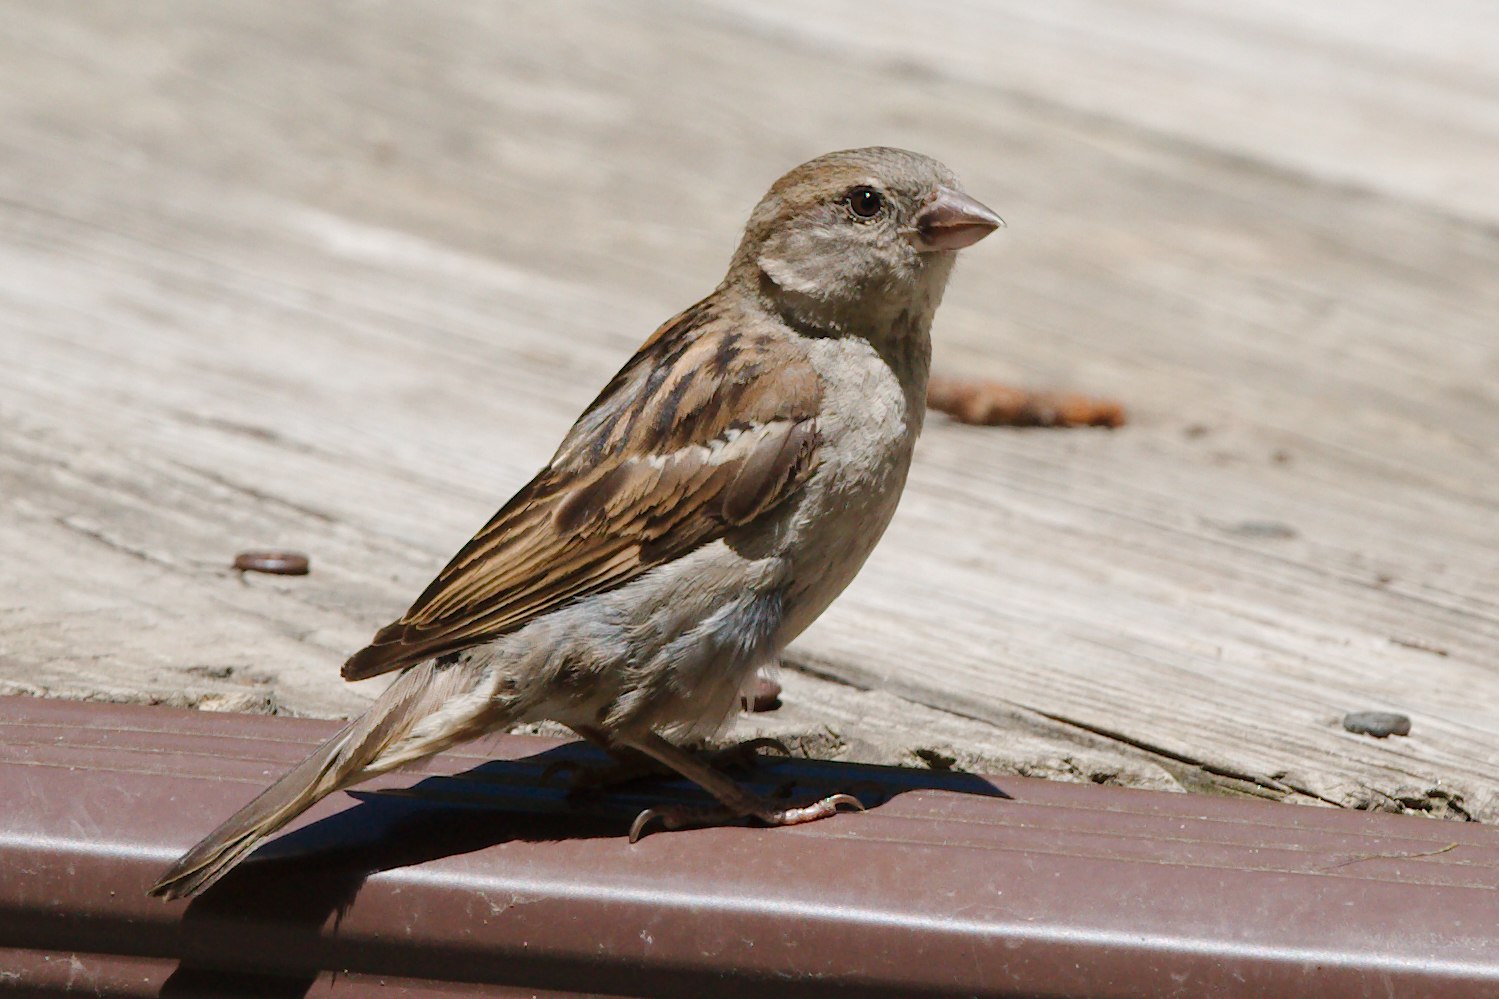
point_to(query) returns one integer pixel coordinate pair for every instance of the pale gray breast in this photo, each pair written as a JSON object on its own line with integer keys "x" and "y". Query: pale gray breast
{"x": 868, "y": 427}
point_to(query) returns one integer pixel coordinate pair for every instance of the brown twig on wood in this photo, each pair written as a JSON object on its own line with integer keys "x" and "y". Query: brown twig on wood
{"x": 991, "y": 404}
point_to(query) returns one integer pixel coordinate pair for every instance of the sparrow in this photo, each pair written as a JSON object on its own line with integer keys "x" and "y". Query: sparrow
{"x": 722, "y": 489}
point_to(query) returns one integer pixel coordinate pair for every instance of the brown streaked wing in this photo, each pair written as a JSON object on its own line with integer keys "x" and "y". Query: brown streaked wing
{"x": 709, "y": 426}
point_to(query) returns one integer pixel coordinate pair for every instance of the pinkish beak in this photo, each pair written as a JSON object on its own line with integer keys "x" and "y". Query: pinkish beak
{"x": 951, "y": 220}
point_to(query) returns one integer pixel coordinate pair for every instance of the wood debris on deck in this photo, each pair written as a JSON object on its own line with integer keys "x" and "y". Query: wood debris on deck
{"x": 336, "y": 279}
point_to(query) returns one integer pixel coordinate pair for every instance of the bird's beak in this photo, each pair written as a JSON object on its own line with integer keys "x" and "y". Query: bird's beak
{"x": 951, "y": 220}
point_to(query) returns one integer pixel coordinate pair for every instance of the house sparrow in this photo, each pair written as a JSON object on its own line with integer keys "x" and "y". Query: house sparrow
{"x": 722, "y": 489}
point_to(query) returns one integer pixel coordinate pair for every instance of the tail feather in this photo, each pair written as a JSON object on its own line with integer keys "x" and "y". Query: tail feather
{"x": 384, "y": 737}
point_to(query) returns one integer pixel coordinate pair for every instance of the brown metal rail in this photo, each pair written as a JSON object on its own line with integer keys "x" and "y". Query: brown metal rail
{"x": 493, "y": 883}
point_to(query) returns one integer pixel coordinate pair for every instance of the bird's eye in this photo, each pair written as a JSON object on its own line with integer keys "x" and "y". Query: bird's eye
{"x": 864, "y": 202}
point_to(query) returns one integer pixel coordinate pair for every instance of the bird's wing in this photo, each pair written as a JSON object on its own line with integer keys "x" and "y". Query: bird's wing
{"x": 708, "y": 427}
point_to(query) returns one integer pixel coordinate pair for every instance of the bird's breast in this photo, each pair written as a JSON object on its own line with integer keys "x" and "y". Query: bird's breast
{"x": 867, "y": 426}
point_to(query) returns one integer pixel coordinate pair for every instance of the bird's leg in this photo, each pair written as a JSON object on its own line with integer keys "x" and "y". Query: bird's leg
{"x": 629, "y": 763}
{"x": 735, "y": 802}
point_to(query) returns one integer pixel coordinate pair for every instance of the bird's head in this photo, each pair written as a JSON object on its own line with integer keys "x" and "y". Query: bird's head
{"x": 850, "y": 240}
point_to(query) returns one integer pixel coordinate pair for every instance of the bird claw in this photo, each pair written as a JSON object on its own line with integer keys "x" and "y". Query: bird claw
{"x": 641, "y": 821}
{"x": 678, "y": 817}
{"x": 820, "y": 809}
{"x": 872, "y": 788}
{"x": 681, "y": 817}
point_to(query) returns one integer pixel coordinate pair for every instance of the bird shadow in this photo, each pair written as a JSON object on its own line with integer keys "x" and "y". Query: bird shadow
{"x": 283, "y": 897}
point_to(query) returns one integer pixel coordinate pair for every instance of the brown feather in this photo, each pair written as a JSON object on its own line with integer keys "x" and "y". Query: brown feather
{"x": 688, "y": 440}
{"x": 351, "y": 755}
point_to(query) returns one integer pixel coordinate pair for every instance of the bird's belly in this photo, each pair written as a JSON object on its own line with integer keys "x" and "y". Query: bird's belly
{"x": 669, "y": 650}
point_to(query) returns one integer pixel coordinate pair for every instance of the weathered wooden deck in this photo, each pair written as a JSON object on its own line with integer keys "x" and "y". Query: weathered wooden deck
{"x": 338, "y": 277}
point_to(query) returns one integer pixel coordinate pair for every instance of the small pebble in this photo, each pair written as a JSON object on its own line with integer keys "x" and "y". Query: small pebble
{"x": 1377, "y": 723}
{"x": 277, "y": 563}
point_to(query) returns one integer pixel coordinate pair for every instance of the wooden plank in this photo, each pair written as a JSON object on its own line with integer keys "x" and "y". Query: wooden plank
{"x": 339, "y": 280}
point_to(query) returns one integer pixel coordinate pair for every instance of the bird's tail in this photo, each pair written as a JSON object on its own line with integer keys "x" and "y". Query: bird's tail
{"x": 427, "y": 709}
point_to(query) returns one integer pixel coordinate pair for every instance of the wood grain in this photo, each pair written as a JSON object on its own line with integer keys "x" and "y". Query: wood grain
{"x": 336, "y": 278}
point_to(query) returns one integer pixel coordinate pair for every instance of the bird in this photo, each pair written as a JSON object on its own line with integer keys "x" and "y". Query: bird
{"x": 722, "y": 489}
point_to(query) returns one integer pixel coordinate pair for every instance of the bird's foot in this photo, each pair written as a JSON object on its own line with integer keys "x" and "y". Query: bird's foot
{"x": 763, "y": 810}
